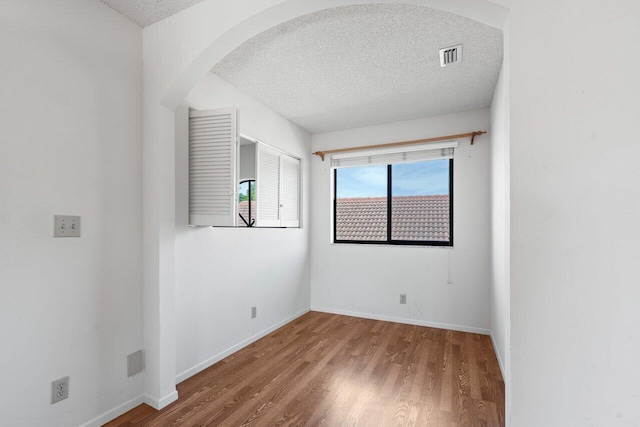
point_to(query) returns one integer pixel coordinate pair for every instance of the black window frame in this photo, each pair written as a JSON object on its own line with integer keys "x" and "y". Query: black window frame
{"x": 389, "y": 240}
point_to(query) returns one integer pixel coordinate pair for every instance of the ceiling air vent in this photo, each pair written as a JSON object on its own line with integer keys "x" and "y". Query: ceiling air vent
{"x": 450, "y": 55}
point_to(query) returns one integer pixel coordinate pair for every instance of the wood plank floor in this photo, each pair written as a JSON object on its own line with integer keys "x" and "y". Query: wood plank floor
{"x": 330, "y": 370}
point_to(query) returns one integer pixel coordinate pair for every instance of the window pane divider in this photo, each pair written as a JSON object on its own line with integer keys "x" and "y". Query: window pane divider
{"x": 389, "y": 203}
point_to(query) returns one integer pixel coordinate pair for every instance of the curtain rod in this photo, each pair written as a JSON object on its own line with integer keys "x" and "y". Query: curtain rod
{"x": 471, "y": 135}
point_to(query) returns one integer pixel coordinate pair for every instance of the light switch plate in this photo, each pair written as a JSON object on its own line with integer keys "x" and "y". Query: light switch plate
{"x": 66, "y": 226}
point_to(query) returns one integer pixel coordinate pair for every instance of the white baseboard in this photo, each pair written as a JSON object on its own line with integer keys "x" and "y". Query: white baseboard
{"x": 416, "y": 322}
{"x": 159, "y": 403}
{"x": 114, "y": 413}
{"x": 495, "y": 350}
{"x": 218, "y": 357}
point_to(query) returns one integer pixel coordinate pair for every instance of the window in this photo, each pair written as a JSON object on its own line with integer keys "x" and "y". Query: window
{"x": 247, "y": 202}
{"x": 236, "y": 180}
{"x": 400, "y": 202}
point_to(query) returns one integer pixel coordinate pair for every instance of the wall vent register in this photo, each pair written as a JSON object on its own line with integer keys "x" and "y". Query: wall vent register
{"x": 450, "y": 55}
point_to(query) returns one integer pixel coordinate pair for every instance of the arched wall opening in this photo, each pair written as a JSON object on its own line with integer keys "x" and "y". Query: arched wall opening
{"x": 160, "y": 281}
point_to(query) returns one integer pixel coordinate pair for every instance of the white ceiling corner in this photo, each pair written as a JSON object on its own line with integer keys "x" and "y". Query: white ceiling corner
{"x": 147, "y": 12}
{"x": 360, "y": 65}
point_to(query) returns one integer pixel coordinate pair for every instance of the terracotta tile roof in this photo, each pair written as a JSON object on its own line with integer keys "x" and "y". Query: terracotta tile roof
{"x": 413, "y": 218}
{"x": 243, "y": 209}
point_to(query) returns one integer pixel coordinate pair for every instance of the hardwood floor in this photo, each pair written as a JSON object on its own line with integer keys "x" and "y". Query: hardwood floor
{"x": 331, "y": 370}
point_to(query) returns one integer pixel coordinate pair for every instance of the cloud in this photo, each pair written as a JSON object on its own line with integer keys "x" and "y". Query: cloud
{"x": 422, "y": 178}
{"x": 364, "y": 181}
{"x": 408, "y": 179}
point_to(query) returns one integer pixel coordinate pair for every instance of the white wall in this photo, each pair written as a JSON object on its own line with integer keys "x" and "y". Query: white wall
{"x": 500, "y": 219}
{"x": 575, "y": 205}
{"x": 70, "y": 143}
{"x": 368, "y": 280}
{"x": 574, "y": 272}
{"x": 177, "y": 52}
{"x": 222, "y": 272}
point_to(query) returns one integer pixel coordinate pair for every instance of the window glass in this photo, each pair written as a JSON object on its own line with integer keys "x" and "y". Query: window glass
{"x": 420, "y": 211}
{"x": 420, "y": 201}
{"x": 247, "y": 202}
{"x": 361, "y": 203}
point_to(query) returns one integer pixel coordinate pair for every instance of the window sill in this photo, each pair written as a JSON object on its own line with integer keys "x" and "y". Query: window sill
{"x": 391, "y": 245}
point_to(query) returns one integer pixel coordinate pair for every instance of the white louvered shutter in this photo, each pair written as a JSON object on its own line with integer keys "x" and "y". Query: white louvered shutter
{"x": 268, "y": 187}
{"x": 290, "y": 191}
{"x": 212, "y": 167}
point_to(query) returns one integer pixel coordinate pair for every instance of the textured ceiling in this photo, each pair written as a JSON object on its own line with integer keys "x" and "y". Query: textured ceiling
{"x": 360, "y": 65}
{"x": 147, "y": 12}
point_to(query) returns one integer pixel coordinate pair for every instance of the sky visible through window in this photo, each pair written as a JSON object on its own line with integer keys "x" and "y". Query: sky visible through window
{"x": 409, "y": 179}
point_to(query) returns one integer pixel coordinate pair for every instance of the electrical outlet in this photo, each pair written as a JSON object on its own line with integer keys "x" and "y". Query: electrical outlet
{"x": 59, "y": 389}
{"x": 403, "y": 298}
{"x": 254, "y": 312}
